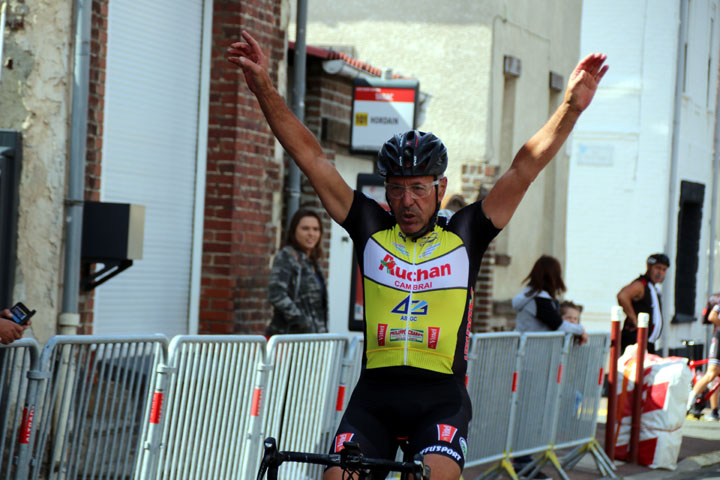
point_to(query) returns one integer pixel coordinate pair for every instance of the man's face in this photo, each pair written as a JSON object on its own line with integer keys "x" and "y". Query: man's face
{"x": 656, "y": 272}
{"x": 412, "y": 211}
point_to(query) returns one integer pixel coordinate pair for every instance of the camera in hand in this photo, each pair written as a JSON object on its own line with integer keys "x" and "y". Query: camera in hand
{"x": 21, "y": 314}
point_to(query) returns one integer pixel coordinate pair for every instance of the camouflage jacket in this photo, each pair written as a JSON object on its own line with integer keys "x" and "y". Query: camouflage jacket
{"x": 298, "y": 296}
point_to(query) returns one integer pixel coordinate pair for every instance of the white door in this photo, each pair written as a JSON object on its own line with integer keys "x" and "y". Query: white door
{"x": 153, "y": 132}
{"x": 341, "y": 251}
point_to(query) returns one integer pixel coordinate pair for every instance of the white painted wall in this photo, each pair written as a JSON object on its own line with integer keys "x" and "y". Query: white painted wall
{"x": 620, "y": 189}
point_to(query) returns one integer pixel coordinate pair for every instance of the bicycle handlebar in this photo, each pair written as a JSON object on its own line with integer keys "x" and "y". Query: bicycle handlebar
{"x": 349, "y": 458}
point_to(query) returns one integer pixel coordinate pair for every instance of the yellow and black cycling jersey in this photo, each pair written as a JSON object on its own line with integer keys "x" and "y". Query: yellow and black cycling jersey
{"x": 418, "y": 294}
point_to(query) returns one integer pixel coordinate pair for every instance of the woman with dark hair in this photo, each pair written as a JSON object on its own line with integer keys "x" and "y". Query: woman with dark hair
{"x": 297, "y": 289}
{"x": 537, "y": 304}
{"x": 539, "y": 311}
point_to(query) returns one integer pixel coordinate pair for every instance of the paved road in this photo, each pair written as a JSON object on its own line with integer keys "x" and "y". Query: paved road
{"x": 709, "y": 473}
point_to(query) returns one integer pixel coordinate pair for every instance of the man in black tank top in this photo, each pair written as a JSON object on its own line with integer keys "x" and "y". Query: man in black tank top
{"x": 642, "y": 296}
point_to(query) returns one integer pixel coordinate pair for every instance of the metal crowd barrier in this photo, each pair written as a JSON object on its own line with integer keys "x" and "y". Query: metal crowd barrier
{"x": 303, "y": 376}
{"x": 351, "y": 367}
{"x": 492, "y": 382}
{"x": 203, "y": 403}
{"x": 16, "y": 360}
{"x": 114, "y": 407}
{"x": 552, "y": 405}
{"x": 86, "y": 400}
{"x": 580, "y": 402}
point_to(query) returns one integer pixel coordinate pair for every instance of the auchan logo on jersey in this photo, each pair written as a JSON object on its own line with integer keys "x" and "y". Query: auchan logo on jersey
{"x": 422, "y": 276}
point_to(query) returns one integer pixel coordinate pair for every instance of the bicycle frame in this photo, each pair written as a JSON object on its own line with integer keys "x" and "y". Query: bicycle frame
{"x": 350, "y": 459}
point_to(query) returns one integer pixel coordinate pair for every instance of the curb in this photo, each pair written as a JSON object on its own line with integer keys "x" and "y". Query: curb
{"x": 688, "y": 464}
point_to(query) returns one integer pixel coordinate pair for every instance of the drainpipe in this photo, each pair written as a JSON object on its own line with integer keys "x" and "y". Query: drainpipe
{"x": 69, "y": 319}
{"x": 298, "y": 102}
{"x": 669, "y": 286}
{"x": 3, "y": 8}
{"x": 714, "y": 201}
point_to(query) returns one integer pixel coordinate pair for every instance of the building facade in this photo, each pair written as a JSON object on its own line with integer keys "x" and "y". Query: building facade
{"x": 643, "y": 172}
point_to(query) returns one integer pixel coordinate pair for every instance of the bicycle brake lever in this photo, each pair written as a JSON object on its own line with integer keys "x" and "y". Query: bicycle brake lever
{"x": 270, "y": 461}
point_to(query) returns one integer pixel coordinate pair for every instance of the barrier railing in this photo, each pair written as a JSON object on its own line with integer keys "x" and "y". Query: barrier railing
{"x": 203, "y": 411}
{"x": 553, "y": 404}
{"x": 301, "y": 396}
{"x": 580, "y": 402}
{"x": 492, "y": 386}
{"x": 90, "y": 394}
{"x": 351, "y": 367}
{"x": 132, "y": 407}
{"x": 16, "y": 360}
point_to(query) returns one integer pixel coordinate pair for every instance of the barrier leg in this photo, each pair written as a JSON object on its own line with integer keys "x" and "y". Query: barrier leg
{"x": 504, "y": 465}
{"x": 573, "y": 457}
{"x": 548, "y": 455}
{"x": 603, "y": 463}
{"x": 643, "y": 321}
{"x": 611, "y": 418}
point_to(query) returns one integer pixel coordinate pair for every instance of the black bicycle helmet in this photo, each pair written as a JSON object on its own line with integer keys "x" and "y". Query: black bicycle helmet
{"x": 412, "y": 154}
{"x": 658, "y": 258}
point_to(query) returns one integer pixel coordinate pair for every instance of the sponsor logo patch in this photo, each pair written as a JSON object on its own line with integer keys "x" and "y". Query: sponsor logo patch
{"x": 418, "y": 275}
{"x": 406, "y": 335}
{"x": 404, "y": 308}
{"x": 381, "y": 333}
{"x": 446, "y": 433}
{"x": 401, "y": 248}
{"x": 463, "y": 446}
{"x": 433, "y": 337}
{"x": 342, "y": 438}
{"x": 443, "y": 450}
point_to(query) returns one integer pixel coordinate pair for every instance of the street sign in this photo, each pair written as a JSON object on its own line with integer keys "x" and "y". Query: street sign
{"x": 381, "y": 108}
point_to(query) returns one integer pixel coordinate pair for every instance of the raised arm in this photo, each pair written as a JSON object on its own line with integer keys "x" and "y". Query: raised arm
{"x": 504, "y": 198}
{"x": 296, "y": 139}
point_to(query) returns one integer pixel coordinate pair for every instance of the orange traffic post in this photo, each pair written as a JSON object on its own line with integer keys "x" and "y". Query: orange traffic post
{"x": 642, "y": 335}
{"x": 611, "y": 421}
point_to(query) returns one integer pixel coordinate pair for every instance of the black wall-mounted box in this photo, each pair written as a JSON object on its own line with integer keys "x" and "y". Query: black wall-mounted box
{"x": 112, "y": 231}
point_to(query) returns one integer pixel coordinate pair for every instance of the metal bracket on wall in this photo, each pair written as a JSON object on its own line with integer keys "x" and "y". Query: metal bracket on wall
{"x": 89, "y": 279}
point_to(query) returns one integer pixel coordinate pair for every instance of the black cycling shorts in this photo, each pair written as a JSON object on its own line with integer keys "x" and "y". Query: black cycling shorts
{"x": 432, "y": 413}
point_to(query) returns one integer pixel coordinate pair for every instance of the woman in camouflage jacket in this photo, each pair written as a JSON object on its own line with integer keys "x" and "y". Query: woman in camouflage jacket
{"x": 297, "y": 287}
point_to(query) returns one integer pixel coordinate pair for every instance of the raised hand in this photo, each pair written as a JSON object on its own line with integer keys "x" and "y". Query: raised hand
{"x": 249, "y": 56}
{"x": 584, "y": 80}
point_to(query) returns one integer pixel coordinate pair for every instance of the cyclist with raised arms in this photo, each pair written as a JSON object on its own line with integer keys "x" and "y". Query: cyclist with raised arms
{"x": 418, "y": 270}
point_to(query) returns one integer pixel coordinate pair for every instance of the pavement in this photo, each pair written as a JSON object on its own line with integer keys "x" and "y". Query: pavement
{"x": 700, "y": 448}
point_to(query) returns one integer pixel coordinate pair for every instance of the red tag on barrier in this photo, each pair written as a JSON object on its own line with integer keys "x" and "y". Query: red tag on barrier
{"x": 26, "y": 426}
{"x": 514, "y": 384}
{"x": 600, "y": 378}
{"x": 257, "y": 398}
{"x": 156, "y": 409}
{"x": 340, "y": 398}
{"x": 466, "y": 381}
{"x": 559, "y": 376}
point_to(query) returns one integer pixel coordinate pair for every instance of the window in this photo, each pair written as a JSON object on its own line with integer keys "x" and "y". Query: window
{"x": 688, "y": 245}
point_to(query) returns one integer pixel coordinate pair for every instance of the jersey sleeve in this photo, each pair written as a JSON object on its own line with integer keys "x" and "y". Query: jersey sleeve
{"x": 365, "y": 218}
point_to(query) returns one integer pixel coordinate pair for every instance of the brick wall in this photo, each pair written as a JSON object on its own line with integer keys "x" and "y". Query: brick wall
{"x": 93, "y": 157}
{"x": 477, "y": 180}
{"x": 242, "y": 175}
